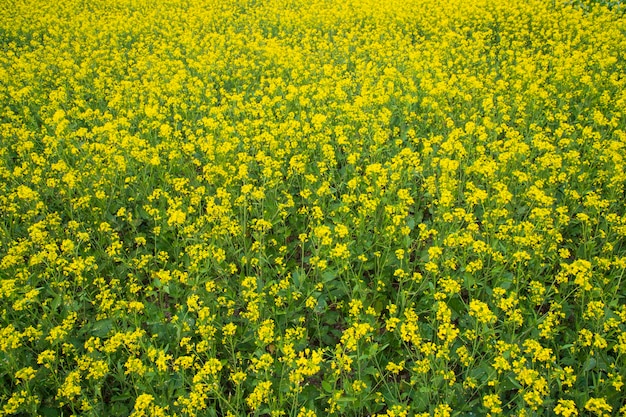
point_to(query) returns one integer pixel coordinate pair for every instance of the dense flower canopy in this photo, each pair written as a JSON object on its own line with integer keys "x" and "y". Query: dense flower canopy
{"x": 301, "y": 208}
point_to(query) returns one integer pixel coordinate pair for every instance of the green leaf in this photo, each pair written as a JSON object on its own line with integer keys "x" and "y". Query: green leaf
{"x": 121, "y": 397}
{"x": 296, "y": 276}
{"x": 327, "y": 387}
{"x": 321, "y": 306}
{"x": 470, "y": 280}
{"x": 457, "y": 305}
{"x": 421, "y": 399}
{"x": 50, "y": 412}
{"x": 589, "y": 364}
{"x": 346, "y": 399}
{"x": 378, "y": 306}
{"x": 120, "y": 409}
{"x": 102, "y": 328}
{"x": 513, "y": 383}
{"x": 329, "y": 276}
{"x": 370, "y": 370}
{"x": 56, "y": 302}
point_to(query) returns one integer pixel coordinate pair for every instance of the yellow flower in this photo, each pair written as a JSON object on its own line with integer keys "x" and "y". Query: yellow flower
{"x": 135, "y": 366}
{"x": 260, "y": 395}
{"x": 266, "y": 331}
{"x": 481, "y": 312}
{"x": 229, "y": 329}
{"x": 493, "y": 403}
{"x": 142, "y": 404}
{"x": 304, "y": 412}
{"x": 46, "y": 357}
{"x": 70, "y": 388}
{"x": 598, "y": 406}
{"x": 238, "y": 377}
{"x": 566, "y": 408}
{"x": 97, "y": 370}
{"x": 395, "y": 368}
{"x": 443, "y": 410}
{"x": 25, "y": 374}
{"x": 358, "y": 386}
{"x": 176, "y": 217}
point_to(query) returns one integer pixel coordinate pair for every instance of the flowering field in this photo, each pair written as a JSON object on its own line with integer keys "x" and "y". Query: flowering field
{"x": 310, "y": 208}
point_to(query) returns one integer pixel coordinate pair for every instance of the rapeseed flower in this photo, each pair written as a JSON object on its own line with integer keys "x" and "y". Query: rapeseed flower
{"x": 291, "y": 208}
